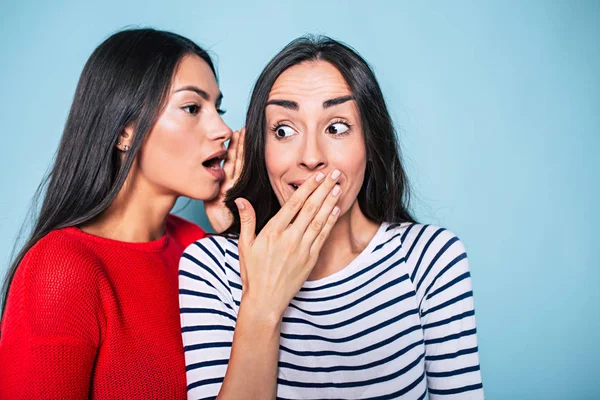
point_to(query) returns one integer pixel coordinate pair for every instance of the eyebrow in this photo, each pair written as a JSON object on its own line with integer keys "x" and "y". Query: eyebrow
{"x": 292, "y": 105}
{"x": 200, "y": 93}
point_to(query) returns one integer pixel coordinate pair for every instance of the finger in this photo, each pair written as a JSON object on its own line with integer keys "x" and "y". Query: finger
{"x": 306, "y": 217}
{"x": 317, "y": 223}
{"x": 288, "y": 211}
{"x": 239, "y": 158}
{"x": 247, "y": 222}
{"x": 230, "y": 162}
{"x": 318, "y": 243}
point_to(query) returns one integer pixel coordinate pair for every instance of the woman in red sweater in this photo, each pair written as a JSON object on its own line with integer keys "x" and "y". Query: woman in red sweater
{"x": 90, "y": 303}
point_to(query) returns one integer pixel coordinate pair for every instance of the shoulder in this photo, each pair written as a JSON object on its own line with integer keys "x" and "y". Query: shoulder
{"x": 427, "y": 240}
{"x": 62, "y": 256}
{"x": 57, "y": 287}
{"x": 213, "y": 249}
{"x": 210, "y": 261}
{"x": 183, "y": 231}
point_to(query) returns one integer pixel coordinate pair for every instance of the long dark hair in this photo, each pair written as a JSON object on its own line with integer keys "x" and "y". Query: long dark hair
{"x": 385, "y": 193}
{"x": 125, "y": 81}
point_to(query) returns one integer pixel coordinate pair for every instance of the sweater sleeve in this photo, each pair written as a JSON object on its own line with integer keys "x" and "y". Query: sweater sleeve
{"x": 443, "y": 284}
{"x": 208, "y": 317}
{"x": 52, "y": 325}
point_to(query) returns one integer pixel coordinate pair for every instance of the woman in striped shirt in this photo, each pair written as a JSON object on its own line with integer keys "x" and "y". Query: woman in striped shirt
{"x": 326, "y": 288}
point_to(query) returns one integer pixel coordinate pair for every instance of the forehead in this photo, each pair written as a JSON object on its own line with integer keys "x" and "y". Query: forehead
{"x": 194, "y": 71}
{"x": 310, "y": 80}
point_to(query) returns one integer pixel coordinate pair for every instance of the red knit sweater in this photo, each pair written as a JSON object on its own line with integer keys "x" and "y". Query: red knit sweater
{"x": 89, "y": 317}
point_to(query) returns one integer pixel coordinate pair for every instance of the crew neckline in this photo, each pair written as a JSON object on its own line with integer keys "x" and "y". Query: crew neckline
{"x": 151, "y": 246}
{"x": 352, "y": 266}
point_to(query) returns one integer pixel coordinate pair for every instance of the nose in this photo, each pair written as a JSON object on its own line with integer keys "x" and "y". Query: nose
{"x": 217, "y": 129}
{"x": 312, "y": 156}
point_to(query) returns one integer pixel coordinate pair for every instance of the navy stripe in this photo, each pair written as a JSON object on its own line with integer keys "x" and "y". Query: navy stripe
{"x": 448, "y": 320}
{"x": 232, "y": 269}
{"x": 196, "y": 277}
{"x": 355, "y": 336}
{"x": 235, "y": 285}
{"x": 233, "y": 255}
{"x": 233, "y": 242}
{"x": 215, "y": 345}
{"x": 391, "y": 396}
{"x": 195, "y": 328}
{"x": 211, "y": 255}
{"x": 457, "y": 390}
{"x": 353, "y": 352}
{"x": 206, "y": 268}
{"x": 452, "y": 263}
{"x": 386, "y": 242}
{"x": 400, "y": 392}
{"x": 408, "y": 229}
{"x": 452, "y": 355}
{"x": 392, "y": 226}
{"x": 448, "y": 303}
{"x": 354, "y": 303}
{"x": 217, "y": 245}
{"x": 451, "y": 337}
{"x": 362, "y": 271}
{"x": 352, "y": 367}
{"x": 453, "y": 373}
{"x": 193, "y": 310}
{"x": 367, "y": 382}
{"x": 205, "y": 382}
{"x": 204, "y": 364}
{"x": 204, "y": 295}
{"x": 412, "y": 247}
{"x": 439, "y": 254}
{"x": 354, "y": 289}
{"x": 351, "y": 320}
{"x": 449, "y": 284}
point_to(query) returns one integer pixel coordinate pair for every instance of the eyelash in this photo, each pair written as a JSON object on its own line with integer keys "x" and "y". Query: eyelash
{"x": 219, "y": 110}
{"x": 278, "y": 125}
{"x": 341, "y": 121}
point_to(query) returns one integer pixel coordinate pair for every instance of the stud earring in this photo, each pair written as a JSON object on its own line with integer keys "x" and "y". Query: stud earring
{"x": 118, "y": 142}
{"x": 126, "y": 148}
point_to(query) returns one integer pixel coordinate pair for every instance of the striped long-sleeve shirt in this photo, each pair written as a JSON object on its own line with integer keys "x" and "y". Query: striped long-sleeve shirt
{"x": 397, "y": 322}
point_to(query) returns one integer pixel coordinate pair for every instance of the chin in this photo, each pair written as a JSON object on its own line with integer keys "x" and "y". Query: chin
{"x": 205, "y": 194}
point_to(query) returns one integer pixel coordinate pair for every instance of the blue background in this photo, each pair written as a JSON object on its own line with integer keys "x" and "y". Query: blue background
{"x": 498, "y": 110}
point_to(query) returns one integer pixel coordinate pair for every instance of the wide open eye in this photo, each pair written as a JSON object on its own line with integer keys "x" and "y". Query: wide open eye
{"x": 283, "y": 131}
{"x": 337, "y": 128}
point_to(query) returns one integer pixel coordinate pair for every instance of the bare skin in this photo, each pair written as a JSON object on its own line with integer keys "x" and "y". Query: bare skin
{"x": 314, "y": 130}
{"x": 171, "y": 162}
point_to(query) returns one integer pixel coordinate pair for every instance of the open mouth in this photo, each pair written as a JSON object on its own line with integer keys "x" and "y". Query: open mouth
{"x": 214, "y": 163}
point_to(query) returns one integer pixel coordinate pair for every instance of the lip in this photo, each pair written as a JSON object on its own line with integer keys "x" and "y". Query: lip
{"x": 220, "y": 154}
{"x": 218, "y": 173}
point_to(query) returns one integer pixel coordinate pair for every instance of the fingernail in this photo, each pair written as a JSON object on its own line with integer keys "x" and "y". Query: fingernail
{"x": 240, "y": 204}
{"x": 320, "y": 176}
{"x": 335, "y": 174}
{"x": 336, "y": 211}
{"x": 336, "y": 190}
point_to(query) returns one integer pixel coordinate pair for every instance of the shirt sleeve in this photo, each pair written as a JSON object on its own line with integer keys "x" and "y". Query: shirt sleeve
{"x": 443, "y": 284}
{"x": 51, "y": 328}
{"x": 208, "y": 317}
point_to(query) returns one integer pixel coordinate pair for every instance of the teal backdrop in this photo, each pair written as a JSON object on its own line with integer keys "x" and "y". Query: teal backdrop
{"x": 497, "y": 105}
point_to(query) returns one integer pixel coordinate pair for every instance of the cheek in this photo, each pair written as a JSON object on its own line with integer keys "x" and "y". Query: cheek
{"x": 277, "y": 163}
{"x": 353, "y": 163}
{"x": 171, "y": 160}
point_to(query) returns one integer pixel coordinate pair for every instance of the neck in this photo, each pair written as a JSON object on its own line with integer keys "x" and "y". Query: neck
{"x": 137, "y": 214}
{"x": 351, "y": 234}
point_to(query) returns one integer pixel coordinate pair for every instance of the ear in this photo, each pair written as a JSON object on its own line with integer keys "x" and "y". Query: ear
{"x": 125, "y": 138}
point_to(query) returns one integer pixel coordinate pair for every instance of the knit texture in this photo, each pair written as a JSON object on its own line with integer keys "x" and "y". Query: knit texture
{"x": 90, "y": 317}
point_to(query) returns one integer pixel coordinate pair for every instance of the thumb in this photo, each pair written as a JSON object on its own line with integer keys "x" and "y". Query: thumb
{"x": 247, "y": 221}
